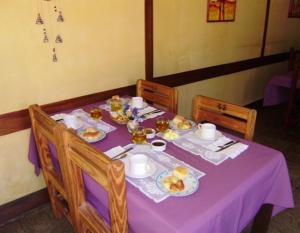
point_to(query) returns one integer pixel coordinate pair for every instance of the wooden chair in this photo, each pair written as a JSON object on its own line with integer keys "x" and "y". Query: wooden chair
{"x": 291, "y": 114}
{"x": 230, "y": 116}
{"x": 43, "y": 129}
{"x": 160, "y": 95}
{"x": 109, "y": 174}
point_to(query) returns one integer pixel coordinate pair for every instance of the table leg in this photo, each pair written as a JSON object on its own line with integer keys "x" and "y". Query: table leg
{"x": 262, "y": 219}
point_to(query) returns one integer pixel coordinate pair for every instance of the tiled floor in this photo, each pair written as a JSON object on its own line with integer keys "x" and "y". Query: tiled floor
{"x": 268, "y": 132}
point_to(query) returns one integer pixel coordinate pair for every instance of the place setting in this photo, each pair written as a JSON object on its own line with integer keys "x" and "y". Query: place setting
{"x": 209, "y": 143}
{"x": 147, "y": 167}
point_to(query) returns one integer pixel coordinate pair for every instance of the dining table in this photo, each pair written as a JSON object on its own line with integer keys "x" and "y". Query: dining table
{"x": 277, "y": 90}
{"x": 227, "y": 199}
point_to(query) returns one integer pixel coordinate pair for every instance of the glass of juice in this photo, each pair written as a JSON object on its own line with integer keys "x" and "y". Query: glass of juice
{"x": 162, "y": 124}
{"x": 139, "y": 135}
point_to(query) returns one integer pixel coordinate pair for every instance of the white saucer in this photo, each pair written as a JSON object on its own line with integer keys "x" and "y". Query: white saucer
{"x": 151, "y": 168}
{"x": 217, "y": 136}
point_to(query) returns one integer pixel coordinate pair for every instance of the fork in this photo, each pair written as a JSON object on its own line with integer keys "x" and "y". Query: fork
{"x": 229, "y": 144}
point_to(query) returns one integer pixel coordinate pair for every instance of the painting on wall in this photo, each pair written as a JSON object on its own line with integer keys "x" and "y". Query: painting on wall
{"x": 294, "y": 9}
{"x": 221, "y": 10}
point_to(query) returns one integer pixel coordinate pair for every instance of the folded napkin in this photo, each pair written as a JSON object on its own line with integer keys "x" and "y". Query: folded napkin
{"x": 117, "y": 150}
{"x": 58, "y": 116}
{"x": 150, "y": 109}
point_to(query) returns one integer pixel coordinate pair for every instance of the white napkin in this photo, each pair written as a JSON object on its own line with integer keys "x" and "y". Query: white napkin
{"x": 58, "y": 116}
{"x": 234, "y": 150}
{"x": 117, "y": 150}
{"x": 152, "y": 115}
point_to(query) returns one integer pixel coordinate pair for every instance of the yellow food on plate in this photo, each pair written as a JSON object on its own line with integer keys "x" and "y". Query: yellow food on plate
{"x": 173, "y": 184}
{"x": 181, "y": 123}
{"x": 180, "y": 172}
{"x": 170, "y": 135}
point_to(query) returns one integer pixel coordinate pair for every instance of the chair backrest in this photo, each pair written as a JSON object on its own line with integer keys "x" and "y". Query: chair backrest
{"x": 109, "y": 174}
{"x": 293, "y": 53}
{"x": 43, "y": 129}
{"x": 160, "y": 95}
{"x": 227, "y": 115}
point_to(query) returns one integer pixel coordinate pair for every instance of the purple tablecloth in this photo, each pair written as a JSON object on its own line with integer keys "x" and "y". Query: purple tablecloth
{"x": 277, "y": 90}
{"x": 228, "y": 197}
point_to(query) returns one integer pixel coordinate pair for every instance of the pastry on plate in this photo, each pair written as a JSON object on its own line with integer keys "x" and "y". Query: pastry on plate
{"x": 91, "y": 133}
{"x": 181, "y": 123}
{"x": 180, "y": 172}
{"x": 173, "y": 184}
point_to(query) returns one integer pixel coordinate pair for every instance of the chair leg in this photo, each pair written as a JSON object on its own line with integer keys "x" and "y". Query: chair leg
{"x": 54, "y": 202}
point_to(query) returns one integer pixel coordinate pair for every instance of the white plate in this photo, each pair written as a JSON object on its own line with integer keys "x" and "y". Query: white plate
{"x": 174, "y": 126}
{"x": 217, "y": 136}
{"x": 97, "y": 139}
{"x": 151, "y": 169}
{"x": 191, "y": 184}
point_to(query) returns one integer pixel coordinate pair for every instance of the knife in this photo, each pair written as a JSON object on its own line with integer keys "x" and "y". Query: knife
{"x": 228, "y": 145}
{"x": 122, "y": 153}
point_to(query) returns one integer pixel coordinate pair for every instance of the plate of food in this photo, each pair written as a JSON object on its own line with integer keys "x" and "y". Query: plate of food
{"x": 119, "y": 117}
{"x": 181, "y": 124}
{"x": 91, "y": 134}
{"x": 170, "y": 135}
{"x": 177, "y": 182}
{"x": 116, "y": 97}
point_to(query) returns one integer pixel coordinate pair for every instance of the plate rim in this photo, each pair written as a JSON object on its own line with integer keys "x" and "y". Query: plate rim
{"x": 102, "y": 136}
{"x": 176, "y": 194}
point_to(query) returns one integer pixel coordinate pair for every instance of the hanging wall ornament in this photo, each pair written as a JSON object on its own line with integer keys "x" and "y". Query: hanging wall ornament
{"x": 54, "y": 57}
{"x": 58, "y": 39}
{"x": 39, "y": 19}
{"x": 45, "y": 40}
{"x": 60, "y": 17}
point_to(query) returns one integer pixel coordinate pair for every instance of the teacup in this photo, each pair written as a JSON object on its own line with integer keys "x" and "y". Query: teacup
{"x": 138, "y": 164}
{"x": 137, "y": 102}
{"x": 206, "y": 131}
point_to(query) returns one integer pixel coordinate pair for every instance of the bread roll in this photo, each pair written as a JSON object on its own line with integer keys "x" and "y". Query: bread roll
{"x": 178, "y": 119}
{"x": 90, "y": 133}
{"x": 180, "y": 172}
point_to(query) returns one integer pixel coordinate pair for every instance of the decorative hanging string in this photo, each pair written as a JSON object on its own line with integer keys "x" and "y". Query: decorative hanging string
{"x": 54, "y": 17}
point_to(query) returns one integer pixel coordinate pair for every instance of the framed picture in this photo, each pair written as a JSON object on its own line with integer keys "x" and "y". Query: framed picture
{"x": 221, "y": 10}
{"x": 294, "y": 9}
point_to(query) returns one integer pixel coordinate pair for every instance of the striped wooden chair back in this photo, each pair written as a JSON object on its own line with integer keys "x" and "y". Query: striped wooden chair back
{"x": 227, "y": 115}
{"x": 109, "y": 174}
{"x": 43, "y": 130}
{"x": 160, "y": 95}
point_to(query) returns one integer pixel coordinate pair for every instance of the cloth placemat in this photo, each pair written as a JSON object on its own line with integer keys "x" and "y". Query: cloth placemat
{"x": 208, "y": 150}
{"x": 163, "y": 161}
{"x": 87, "y": 120}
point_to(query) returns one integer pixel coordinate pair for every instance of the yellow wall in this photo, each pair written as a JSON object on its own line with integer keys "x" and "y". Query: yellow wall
{"x": 183, "y": 41}
{"x": 104, "y": 49}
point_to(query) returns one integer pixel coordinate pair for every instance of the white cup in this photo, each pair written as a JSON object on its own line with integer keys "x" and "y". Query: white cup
{"x": 71, "y": 121}
{"x": 138, "y": 164}
{"x": 207, "y": 131}
{"x": 137, "y": 102}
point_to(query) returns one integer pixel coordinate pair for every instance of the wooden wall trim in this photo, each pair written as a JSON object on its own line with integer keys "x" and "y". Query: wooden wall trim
{"x": 219, "y": 70}
{"x": 19, "y": 120}
{"x": 149, "y": 39}
{"x": 17, "y": 207}
{"x": 263, "y": 47}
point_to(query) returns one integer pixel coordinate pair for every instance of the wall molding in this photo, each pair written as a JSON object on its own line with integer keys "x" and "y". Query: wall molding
{"x": 19, "y": 206}
{"x": 19, "y": 120}
{"x": 192, "y": 76}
